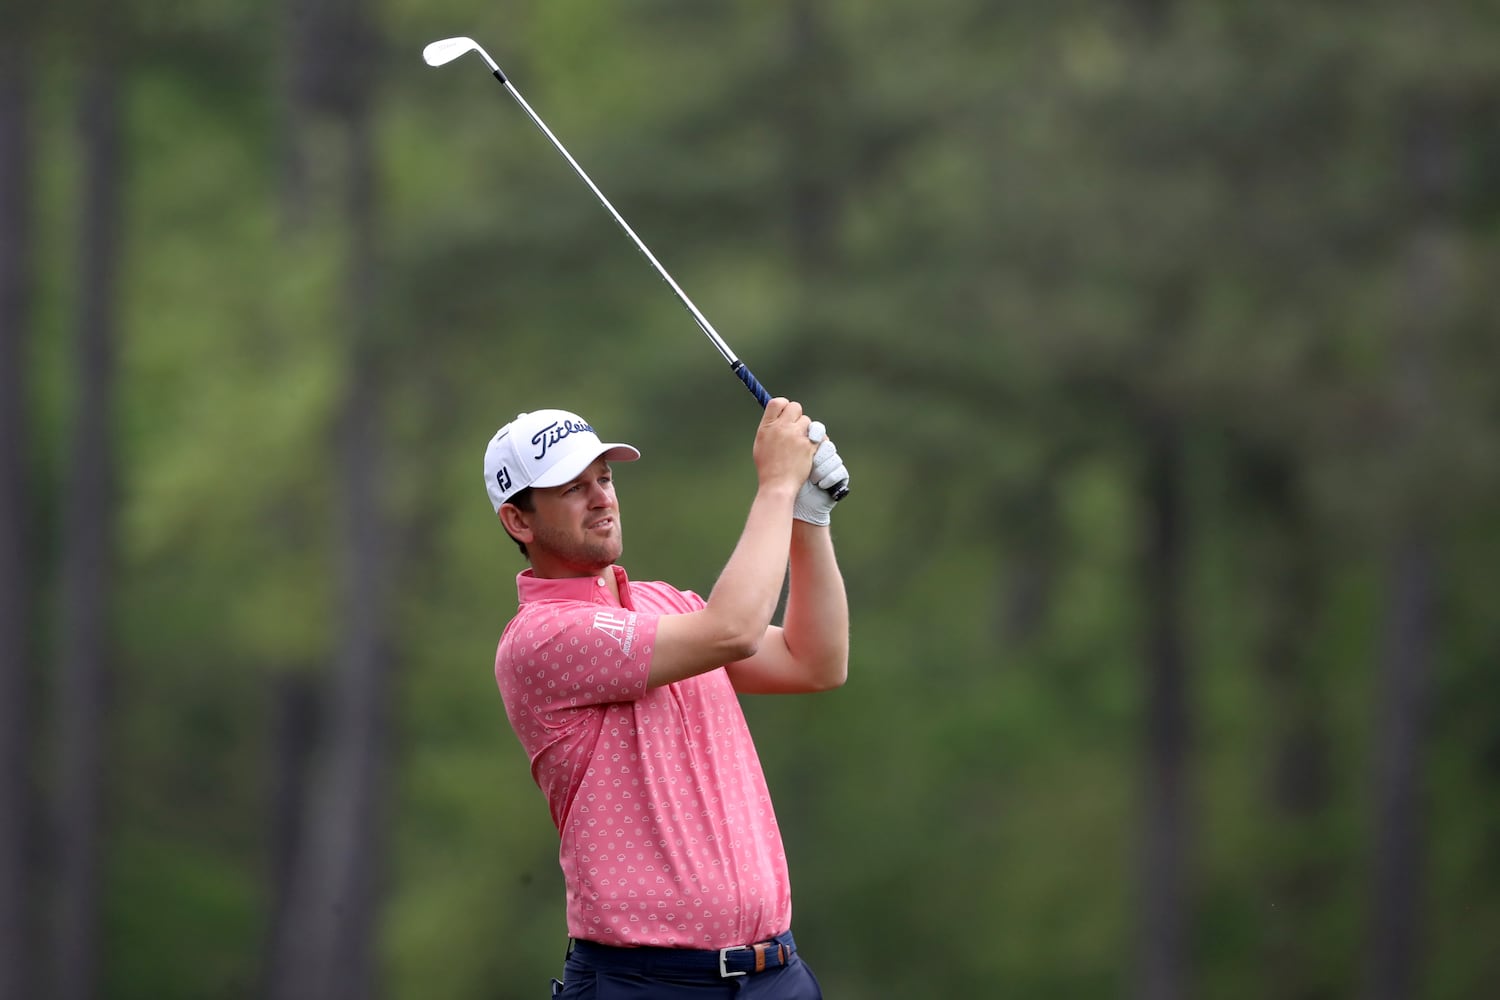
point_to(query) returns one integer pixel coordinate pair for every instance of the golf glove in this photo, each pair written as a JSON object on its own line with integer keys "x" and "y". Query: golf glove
{"x": 814, "y": 503}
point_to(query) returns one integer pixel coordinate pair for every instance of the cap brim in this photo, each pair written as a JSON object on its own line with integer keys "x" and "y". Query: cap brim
{"x": 564, "y": 472}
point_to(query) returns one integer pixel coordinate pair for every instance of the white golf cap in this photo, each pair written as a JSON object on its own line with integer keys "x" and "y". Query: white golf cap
{"x": 544, "y": 448}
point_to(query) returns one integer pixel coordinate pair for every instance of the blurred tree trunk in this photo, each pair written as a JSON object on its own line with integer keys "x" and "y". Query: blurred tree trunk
{"x": 1299, "y": 781}
{"x": 325, "y": 947}
{"x": 1409, "y": 640}
{"x": 88, "y": 548}
{"x": 17, "y": 804}
{"x": 294, "y": 721}
{"x": 1165, "y": 840}
{"x": 1162, "y": 968}
{"x": 364, "y": 665}
{"x": 1405, "y": 681}
{"x": 294, "y": 730}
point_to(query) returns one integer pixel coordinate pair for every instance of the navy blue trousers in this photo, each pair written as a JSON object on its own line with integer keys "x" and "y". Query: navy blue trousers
{"x": 596, "y": 972}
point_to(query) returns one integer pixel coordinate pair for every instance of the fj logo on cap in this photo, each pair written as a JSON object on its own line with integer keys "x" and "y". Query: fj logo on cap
{"x": 502, "y": 479}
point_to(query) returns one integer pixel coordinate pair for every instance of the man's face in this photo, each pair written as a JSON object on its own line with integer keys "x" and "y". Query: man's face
{"x": 576, "y": 526}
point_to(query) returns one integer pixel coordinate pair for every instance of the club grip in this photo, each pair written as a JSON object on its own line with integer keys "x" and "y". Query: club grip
{"x": 759, "y": 392}
{"x": 751, "y": 382}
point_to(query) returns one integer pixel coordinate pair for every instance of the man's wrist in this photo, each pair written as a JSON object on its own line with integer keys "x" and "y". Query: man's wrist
{"x": 778, "y": 491}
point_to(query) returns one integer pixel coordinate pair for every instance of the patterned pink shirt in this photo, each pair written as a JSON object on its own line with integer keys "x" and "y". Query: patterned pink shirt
{"x": 668, "y": 835}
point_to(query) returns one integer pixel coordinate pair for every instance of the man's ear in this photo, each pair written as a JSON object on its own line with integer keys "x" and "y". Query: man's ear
{"x": 515, "y": 521}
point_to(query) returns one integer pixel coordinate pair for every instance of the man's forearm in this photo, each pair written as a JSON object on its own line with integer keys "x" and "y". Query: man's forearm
{"x": 746, "y": 592}
{"x": 816, "y": 623}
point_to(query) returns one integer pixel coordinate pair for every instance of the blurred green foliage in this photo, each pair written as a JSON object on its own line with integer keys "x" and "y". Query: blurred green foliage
{"x": 991, "y": 246}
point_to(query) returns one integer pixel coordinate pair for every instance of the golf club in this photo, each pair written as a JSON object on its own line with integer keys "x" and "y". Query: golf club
{"x": 446, "y": 50}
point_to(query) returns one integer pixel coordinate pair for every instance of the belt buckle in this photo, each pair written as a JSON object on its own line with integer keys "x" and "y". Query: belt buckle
{"x": 724, "y": 972}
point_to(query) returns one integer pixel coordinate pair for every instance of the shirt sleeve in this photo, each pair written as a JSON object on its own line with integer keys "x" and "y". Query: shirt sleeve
{"x": 556, "y": 657}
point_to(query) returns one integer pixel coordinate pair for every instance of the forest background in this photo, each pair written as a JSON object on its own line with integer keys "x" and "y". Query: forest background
{"x": 1158, "y": 337}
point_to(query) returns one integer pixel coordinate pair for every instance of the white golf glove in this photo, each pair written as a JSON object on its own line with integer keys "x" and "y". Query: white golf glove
{"x": 814, "y": 503}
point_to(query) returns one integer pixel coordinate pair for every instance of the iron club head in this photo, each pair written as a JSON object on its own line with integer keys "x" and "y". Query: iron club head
{"x": 445, "y": 50}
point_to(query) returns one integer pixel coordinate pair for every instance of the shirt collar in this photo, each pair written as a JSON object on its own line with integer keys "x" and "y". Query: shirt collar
{"x": 571, "y": 588}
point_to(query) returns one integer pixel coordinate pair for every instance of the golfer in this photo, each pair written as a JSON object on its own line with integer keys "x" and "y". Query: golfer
{"x": 623, "y": 695}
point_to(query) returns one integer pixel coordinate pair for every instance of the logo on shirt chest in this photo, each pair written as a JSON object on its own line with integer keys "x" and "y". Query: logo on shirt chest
{"x": 619, "y": 626}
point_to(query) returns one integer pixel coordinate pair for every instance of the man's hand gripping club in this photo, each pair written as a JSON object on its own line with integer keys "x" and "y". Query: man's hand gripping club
{"x": 814, "y": 503}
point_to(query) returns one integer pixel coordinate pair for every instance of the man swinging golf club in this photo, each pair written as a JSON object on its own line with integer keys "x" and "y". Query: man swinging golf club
{"x": 623, "y": 695}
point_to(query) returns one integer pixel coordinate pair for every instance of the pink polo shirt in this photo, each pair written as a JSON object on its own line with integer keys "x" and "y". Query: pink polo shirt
{"x": 667, "y": 833}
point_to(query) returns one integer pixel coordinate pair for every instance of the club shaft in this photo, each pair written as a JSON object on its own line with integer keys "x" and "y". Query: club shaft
{"x": 445, "y": 51}
{"x": 702, "y": 321}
